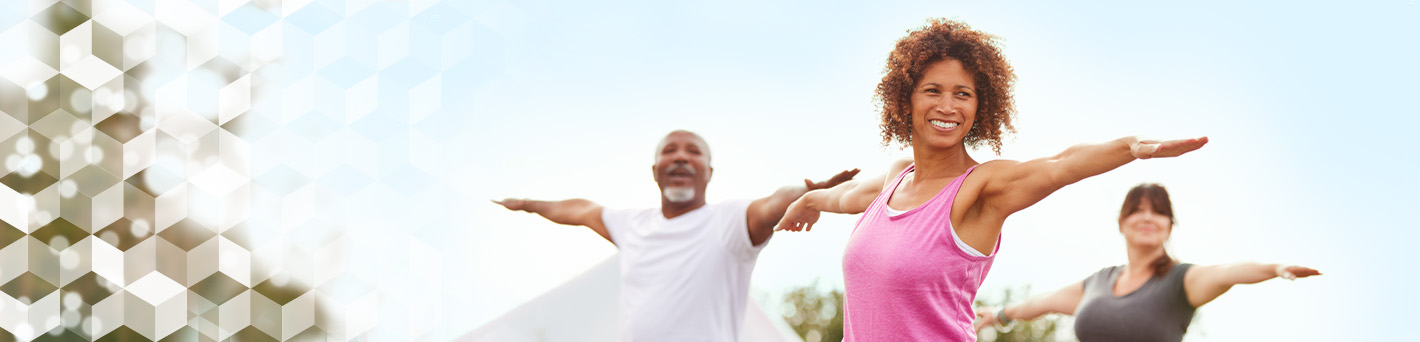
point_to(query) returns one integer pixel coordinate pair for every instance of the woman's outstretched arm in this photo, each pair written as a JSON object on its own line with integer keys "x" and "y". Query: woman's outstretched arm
{"x": 1017, "y": 185}
{"x": 850, "y": 197}
{"x": 1203, "y": 284}
{"x": 1062, "y": 301}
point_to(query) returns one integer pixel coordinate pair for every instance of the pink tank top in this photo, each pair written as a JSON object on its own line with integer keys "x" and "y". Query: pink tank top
{"x": 904, "y": 277}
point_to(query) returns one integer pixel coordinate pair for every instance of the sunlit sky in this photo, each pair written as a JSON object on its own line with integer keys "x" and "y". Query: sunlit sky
{"x": 1310, "y": 108}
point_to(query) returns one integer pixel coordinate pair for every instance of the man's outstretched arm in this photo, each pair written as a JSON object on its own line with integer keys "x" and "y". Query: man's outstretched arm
{"x": 572, "y": 212}
{"x": 764, "y": 213}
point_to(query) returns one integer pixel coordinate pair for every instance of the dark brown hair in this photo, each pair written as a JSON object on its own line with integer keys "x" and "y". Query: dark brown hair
{"x": 939, "y": 40}
{"x": 1158, "y": 201}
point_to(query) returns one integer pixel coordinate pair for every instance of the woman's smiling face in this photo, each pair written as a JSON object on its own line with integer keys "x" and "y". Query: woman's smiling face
{"x": 943, "y": 105}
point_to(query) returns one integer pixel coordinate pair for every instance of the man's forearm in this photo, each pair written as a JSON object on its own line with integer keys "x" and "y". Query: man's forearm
{"x": 565, "y": 212}
{"x": 788, "y": 194}
{"x": 780, "y": 201}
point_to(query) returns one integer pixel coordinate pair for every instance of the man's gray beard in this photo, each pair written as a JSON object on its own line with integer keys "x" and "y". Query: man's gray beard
{"x": 679, "y": 194}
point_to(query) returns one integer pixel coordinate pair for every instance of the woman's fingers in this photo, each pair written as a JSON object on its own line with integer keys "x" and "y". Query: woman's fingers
{"x": 1146, "y": 149}
{"x": 508, "y": 203}
{"x": 1179, "y": 147}
{"x": 1294, "y": 272}
{"x": 1302, "y": 272}
{"x": 795, "y": 226}
{"x": 792, "y": 226}
{"x": 784, "y": 225}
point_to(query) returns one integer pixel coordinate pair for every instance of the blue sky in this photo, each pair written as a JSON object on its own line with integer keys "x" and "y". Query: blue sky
{"x": 377, "y": 131}
{"x": 1309, "y": 107}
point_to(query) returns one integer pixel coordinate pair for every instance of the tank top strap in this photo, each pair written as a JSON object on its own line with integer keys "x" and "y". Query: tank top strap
{"x": 956, "y": 184}
{"x": 887, "y": 192}
{"x": 903, "y": 175}
{"x": 948, "y": 193}
{"x": 948, "y": 196}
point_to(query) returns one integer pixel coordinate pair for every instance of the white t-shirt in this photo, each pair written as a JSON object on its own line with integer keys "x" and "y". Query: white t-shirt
{"x": 686, "y": 278}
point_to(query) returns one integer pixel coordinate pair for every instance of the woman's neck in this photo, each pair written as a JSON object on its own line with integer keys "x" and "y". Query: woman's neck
{"x": 932, "y": 164}
{"x": 1141, "y": 260}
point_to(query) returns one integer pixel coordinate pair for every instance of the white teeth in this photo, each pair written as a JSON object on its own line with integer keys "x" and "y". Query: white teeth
{"x": 943, "y": 124}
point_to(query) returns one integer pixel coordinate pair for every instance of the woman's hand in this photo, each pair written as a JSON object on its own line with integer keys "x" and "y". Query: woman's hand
{"x": 1204, "y": 283}
{"x": 985, "y": 317}
{"x": 514, "y": 204}
{"x": 1145, "y": 149}
{"x": 1293, "y": 272}
{"x": 800, "y": 216}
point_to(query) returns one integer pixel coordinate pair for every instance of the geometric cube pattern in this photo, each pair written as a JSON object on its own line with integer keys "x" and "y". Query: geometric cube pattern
{"x": 198, "y": 170}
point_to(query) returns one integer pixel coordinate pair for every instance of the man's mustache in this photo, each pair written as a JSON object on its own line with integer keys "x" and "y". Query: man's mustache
{"x": 681, "y": 167}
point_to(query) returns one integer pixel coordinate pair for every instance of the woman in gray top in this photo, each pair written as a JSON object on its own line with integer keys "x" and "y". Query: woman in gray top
{"x": 1153, "y": 297}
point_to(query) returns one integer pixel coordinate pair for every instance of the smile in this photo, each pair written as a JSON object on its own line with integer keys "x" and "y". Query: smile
{"x": 943, "y": 124}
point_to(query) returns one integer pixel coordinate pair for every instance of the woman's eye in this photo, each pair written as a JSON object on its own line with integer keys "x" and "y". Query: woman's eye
{"x": 966, "y": 94}
{"x": 933, "y": 91}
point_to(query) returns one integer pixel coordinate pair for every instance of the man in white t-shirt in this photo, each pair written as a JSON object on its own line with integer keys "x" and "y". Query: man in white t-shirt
{"x": 685, "y": 266}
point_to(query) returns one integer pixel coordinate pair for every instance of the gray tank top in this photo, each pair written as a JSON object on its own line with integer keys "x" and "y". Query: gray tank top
{"x": 1157, "y": 311}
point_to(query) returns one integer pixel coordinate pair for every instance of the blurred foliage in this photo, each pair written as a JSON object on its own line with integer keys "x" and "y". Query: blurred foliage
{"x": 815, "y": 315}
{"x": 1039, "y": 329}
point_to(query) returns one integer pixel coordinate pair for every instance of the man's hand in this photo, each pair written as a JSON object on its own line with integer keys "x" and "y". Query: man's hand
{"x": 572, "y": 212}
{"x": 765, "y": 213}
{"x": 799, "y": 217}
{"x": 831, "y": 182}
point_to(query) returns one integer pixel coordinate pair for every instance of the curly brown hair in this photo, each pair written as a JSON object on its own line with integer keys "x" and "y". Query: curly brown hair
{"x": 942, "y": 39}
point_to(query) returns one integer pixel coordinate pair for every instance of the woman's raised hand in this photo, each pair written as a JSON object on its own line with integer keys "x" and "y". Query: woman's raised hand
{"x": 1145, "y": 149}
{"x": 799, "y": 216}
{"x": 1292, "y": 272}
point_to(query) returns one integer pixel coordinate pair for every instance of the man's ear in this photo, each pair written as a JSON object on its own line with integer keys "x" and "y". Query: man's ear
{"x": 710, "y": 171}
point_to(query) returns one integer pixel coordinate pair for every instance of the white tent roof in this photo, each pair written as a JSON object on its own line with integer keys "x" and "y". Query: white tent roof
{"x": 585, "y": 309}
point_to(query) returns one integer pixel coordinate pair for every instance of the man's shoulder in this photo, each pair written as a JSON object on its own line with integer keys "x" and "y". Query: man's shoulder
{"x": 629, "y": 212}
{"x": 734, "y": 206}
{"x": 626, "y": 216}
{"x": 734, "y": 202}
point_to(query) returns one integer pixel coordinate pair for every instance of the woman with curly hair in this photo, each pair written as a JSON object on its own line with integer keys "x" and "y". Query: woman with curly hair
{"x": 1153, "y": 297}
{"x": 913, "y": 263}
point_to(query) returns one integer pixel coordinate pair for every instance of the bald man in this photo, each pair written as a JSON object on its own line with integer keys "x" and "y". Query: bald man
{"x": 685, "y": 266}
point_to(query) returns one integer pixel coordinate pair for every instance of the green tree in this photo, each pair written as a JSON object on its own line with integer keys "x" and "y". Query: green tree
{"x": 815, "y": 315}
